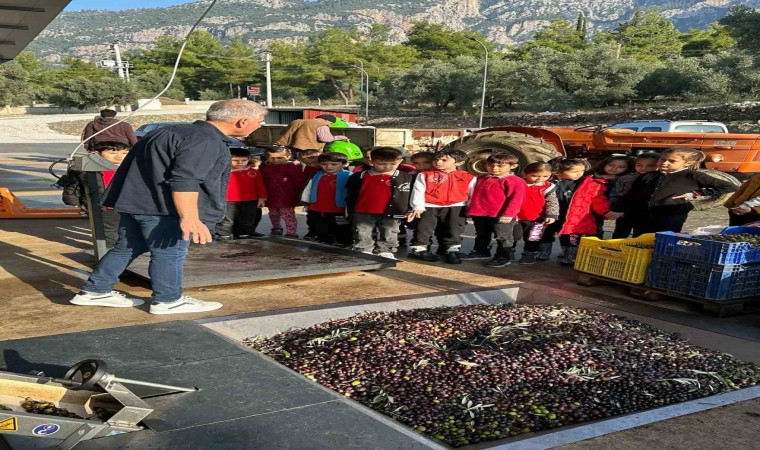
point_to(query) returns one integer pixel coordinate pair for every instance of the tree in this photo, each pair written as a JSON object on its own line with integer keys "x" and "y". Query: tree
{"x": 684, "y": 78}
{"x": 82, "y": 93}
{"x": 441, "y": 83}
{"x": 434, "y": 41}
{"x": 647, "y": 36}
{"x": 698, "y": 43}
{"x": 150, "y": 83}
{"x": 559, "y": 35}
{"x": 15, "y": 88}
{"x": 742, "y": 23}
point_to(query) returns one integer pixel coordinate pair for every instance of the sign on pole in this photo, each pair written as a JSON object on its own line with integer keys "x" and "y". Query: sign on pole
{"x": 254, "y": 90}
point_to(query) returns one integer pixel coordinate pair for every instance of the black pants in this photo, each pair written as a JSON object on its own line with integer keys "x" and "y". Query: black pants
{"x": 623, "y": 228}
{"x": 452, "y": 222}
{"x": 327, "y": 229}
{"x": 111, "y": 226}
{"x": 736, "y": 220}
{"x": 653, "y": 223}
{"x": 522, "y": 231}
{"x": 552, "y": 230}
{"x": 488, "y": 227}
{"x": 240, "y": 219}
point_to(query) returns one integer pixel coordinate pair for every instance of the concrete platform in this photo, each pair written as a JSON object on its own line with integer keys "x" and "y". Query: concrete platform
{"x": 245, "y": 399}
{"x": 244, "y": 261}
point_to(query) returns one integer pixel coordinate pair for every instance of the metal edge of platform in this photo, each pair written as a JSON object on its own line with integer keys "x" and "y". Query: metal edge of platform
{"x": 374, "y": 262}
{"x": 581, "y": 432}
{"x": 269, "y": 323}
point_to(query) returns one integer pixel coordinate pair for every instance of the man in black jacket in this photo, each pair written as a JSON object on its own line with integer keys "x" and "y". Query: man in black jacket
{"x": 171, "y": 188}
{"x": 378, "y": 198}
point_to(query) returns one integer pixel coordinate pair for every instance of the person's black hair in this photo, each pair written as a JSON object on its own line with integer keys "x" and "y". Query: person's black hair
{"x": 428, "y": 155}
{"x": 332, "y": 157}
{"x": 599, "y": 170}
{"x": 385, "y": 154}
{"x": 693, "y": 156}
{"x": 240, "y": 152}
{"x": 565, "y": 164}
{"x": 110, "y": 145}
{"x": 107, "y": 113}
{"x": 648, "y": 155}
{"x": 537, "y": 167}
{"x": 502, "y": 157}
{"x": 328, "y": 117}
{"x": 457, "y": 155}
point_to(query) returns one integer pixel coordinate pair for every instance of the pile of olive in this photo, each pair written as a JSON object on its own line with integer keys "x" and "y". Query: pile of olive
{"x": 751, "y": 239}
{"x": 47, "y": 408}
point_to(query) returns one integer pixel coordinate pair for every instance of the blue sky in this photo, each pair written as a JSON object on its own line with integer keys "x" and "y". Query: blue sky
{"x": 77, "y": 5}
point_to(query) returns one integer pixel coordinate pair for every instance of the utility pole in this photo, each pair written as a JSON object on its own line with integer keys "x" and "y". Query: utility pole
{"x": 485, "y": 79}
{"x": 361, "y": 77}
{"x": 268, "y": 60}
{"x": 117, "y": 53}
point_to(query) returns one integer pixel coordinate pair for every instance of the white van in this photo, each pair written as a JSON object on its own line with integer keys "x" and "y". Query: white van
{"x": 673, "y": 126}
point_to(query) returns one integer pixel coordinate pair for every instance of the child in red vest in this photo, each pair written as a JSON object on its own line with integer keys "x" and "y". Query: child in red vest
{"x": 378, "y": 199}
{"x": 246, "y": 195}
{"x": 284, "y": 181}
{"x": 307, "y": 160}
{"x": 495, "y": 202}
{"x": 440, "y": 196}
{"x": 325, "y": 194}
{"x": 540, "y": 209}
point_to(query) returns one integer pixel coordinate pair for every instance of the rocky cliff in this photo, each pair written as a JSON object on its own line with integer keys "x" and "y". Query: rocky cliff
{"x": 86, "y": 33}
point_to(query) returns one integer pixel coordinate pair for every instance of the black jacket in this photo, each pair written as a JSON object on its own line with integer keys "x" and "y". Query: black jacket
{"x": 179, "y": 158}
{"x": 652, "y": 193}
{"x": 401, "y": 186}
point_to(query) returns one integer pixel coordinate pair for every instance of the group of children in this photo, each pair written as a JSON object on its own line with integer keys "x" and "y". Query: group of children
{"x": 368, "y": 207}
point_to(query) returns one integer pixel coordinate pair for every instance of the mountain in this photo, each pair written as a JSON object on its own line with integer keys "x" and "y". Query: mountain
{"x": 86, "y": 34}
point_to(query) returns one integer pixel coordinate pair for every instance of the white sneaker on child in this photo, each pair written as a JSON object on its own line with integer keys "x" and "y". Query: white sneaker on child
{"x": 387, "y": 255}
{"x": 113, "y": 299}
{"x": 185, "y": 304}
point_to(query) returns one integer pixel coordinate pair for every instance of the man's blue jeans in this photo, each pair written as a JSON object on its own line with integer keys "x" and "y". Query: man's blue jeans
{"x": 138, "y": 234}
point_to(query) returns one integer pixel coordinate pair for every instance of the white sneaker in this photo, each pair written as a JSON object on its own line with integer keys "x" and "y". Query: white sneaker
{"x": 184, "y": 305}
{"x": 113, "y": 299}
{"x": 387, "y": 255}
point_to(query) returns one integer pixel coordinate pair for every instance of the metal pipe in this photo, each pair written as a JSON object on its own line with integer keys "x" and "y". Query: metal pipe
{"x": 366, "y": 99}
{"x": 155, "y": 385}
{"x": 485, "y": 78}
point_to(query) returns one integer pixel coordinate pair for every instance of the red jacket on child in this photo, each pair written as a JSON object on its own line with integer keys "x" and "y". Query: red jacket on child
{"x": 246, "y": 185}
{"x": 588, "y": 202}
{"x": 497, "y": 196}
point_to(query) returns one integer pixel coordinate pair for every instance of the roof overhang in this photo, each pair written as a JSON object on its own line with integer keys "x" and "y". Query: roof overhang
{"x": 21, "y": 22}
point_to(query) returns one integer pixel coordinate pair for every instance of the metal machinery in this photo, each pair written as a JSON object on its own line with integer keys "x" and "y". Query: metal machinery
{"x": 89, "y": 402}
{"x": 90, "y": 165}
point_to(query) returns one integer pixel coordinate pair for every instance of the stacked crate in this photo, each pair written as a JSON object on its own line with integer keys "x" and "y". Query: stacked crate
{"x": 624, "y": 260}
{"x": 706, "y": 269}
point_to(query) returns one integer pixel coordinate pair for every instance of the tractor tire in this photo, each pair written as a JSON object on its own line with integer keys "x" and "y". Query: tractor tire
{"x": 478, "y": 146}
{"x": 712, "y": 202}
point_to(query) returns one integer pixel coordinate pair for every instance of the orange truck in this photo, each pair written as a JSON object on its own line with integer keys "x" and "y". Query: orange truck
{"x": 735, "y": 154}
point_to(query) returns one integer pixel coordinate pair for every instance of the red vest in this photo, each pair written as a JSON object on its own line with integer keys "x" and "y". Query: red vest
{"x": 446, "y": 189}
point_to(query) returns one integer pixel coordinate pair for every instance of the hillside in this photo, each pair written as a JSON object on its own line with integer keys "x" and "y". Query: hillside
{"x": 86, "y": 34}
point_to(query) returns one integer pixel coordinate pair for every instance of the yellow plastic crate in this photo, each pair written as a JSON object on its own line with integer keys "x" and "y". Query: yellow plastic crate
{"x": 619, "y": 259}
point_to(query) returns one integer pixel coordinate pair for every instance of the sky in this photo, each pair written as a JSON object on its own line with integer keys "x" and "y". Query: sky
{"x": 77, "y": 5}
